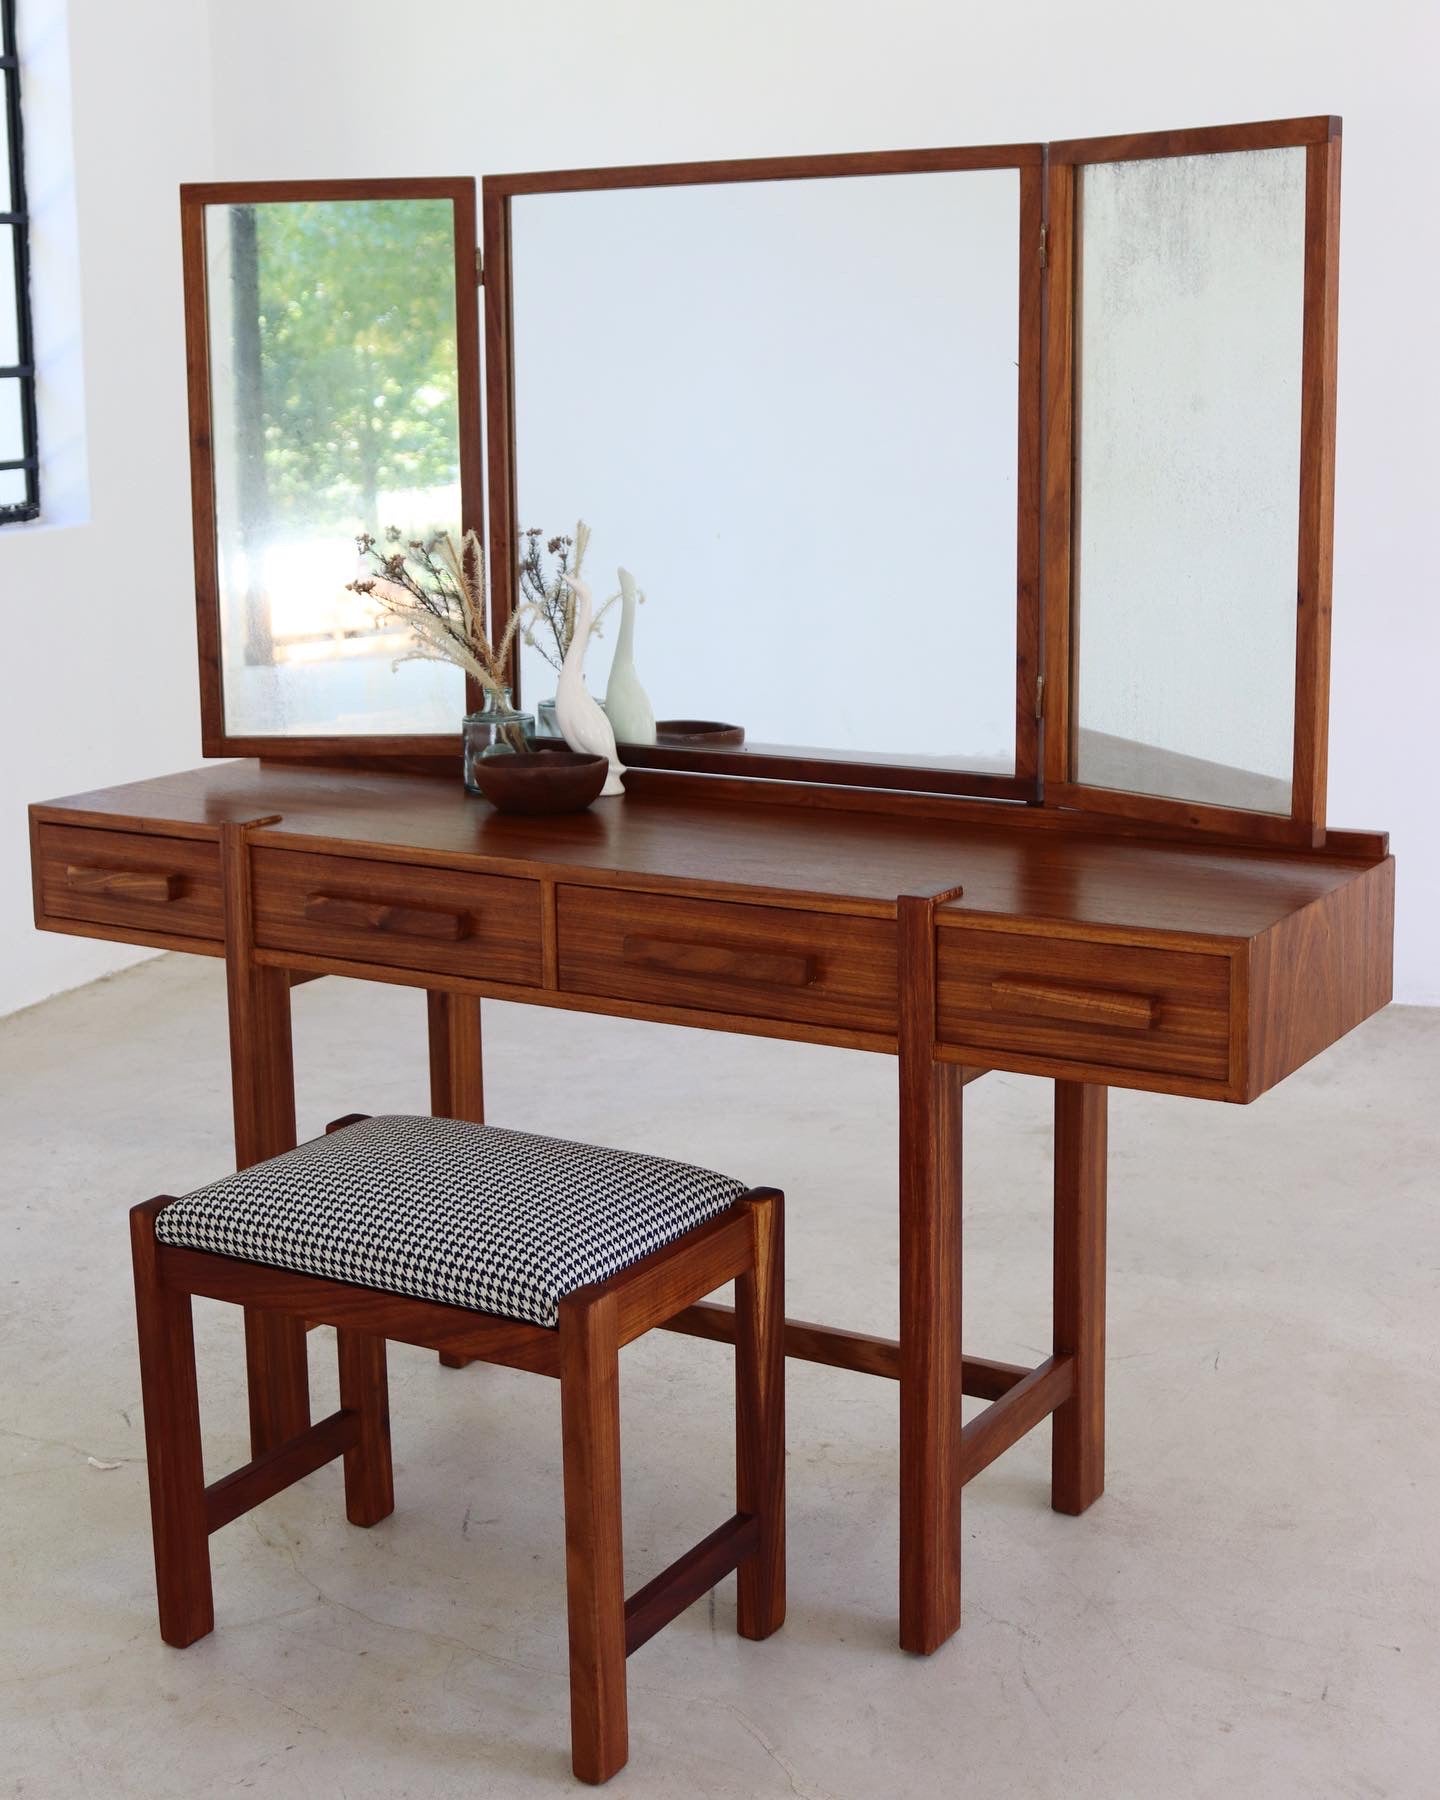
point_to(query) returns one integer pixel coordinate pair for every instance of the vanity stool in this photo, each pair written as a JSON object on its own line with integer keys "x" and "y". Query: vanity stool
{"x": 488, "y": 1244}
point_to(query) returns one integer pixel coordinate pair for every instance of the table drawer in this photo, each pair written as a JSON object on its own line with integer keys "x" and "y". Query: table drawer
{"x": 764, "y": 962}
{"x": 152, "y": 884}
{"x": 434, "y": 920}
{"x": 1147, "y": 1008}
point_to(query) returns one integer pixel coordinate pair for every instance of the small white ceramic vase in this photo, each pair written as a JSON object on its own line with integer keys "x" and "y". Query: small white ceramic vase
{"x": 627, "y": 705}
{"x": 582, "y": 724}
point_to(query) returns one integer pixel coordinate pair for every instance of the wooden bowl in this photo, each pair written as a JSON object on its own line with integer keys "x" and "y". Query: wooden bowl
{"x": 702, "y": 733}
{"x": 540, "y": 781}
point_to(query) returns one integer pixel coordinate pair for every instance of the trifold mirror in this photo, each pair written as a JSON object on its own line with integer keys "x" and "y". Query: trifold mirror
{"x": 1001, "y": 472}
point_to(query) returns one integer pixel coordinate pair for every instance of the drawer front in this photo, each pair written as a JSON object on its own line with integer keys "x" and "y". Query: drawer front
{"x": 432, "y": 920}
{"x": 1161, "y": 1011}
{"x": 763, "y": 962}
{"x": 125, "y": 878}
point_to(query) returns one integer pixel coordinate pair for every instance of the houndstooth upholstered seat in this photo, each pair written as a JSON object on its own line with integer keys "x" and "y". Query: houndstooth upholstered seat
{"x": 470, "y": 1215}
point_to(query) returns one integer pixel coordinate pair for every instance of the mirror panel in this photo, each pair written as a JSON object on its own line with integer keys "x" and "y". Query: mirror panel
{"x": 334, "y": 410}
{"x": 789, "y": 408}
{"x": 1190, "y": 302}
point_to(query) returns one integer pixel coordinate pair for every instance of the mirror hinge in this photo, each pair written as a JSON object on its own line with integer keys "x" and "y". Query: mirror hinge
{"x": 479, "y": 268}
{"x": 1039, "y": 696}
{"x": 1044, "y": 233}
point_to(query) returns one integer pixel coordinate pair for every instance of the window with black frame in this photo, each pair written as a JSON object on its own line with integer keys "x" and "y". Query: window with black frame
{"x": 19, "y": 461}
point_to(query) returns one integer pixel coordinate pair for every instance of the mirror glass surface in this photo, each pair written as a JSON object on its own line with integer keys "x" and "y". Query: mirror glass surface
{"x": 334, "y": 408}
{"x": 1188, "y": 355}
{"x": 789, "y": 410}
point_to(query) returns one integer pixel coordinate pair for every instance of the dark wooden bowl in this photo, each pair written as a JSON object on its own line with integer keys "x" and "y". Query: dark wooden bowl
{"x": 540, "y": 781}
{"x": 699, "y": 732}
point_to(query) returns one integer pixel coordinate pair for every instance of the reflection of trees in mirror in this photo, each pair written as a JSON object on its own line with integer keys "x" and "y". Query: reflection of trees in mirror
{"x": 345, "y": 317}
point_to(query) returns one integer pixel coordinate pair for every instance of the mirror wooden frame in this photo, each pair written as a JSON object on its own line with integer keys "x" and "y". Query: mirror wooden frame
{"x": 1320, "y": 138}
{"x": 855, "y": 769}
{"x": 195, "y": 197}
{"x": 1045, "y": 694}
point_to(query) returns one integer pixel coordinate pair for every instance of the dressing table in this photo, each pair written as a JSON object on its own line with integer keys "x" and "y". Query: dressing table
{"x": 1115, "y": 880}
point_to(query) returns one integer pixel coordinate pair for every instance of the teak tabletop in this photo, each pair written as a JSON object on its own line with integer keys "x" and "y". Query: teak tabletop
{"x": 1020, "y": 866}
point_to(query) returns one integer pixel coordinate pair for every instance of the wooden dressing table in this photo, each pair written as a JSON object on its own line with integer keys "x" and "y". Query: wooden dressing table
{"x": 1126, "y": 881}
{"x": 1079, "y": 951}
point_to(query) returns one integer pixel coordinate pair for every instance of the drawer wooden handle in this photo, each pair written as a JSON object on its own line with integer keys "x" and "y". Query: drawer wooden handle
{"x": 123, "y": 884}
{"x": 771, "y": 968}
{"x": 1086, "y": 1006}
{"x": 379, "y": 915}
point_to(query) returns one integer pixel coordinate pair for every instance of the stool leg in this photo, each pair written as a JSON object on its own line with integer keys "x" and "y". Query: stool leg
{"x": 365, "y": 1389}
{"x": 594, "y": 1558}
{"x": 172, "y": 1444}
{"x": 760, "y": 1419}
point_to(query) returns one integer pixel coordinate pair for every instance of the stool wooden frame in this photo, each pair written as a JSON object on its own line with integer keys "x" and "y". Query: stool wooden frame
{"x": 744, "y": 1244}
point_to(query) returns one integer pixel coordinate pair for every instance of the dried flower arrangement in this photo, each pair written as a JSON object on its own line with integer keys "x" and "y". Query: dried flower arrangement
{"x": 547, "y": 599}
{"x": 436, "y": 589}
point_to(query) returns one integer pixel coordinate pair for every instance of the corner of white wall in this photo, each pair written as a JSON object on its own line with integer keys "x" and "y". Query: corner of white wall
{"x": 98, "y": 682}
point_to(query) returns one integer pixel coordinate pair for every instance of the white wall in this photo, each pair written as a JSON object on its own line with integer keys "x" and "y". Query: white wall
{"x": 97, "y": 675}
{"x": 316, "y": 87}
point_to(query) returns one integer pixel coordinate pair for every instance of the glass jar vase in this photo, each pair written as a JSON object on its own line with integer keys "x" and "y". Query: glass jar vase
{"x": 496, "y": 730}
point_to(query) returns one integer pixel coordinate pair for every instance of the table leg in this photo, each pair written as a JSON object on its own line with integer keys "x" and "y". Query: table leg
{"x": 1078, "y": 1441}
{"x": 262, "y": 1086}
{"x": 457, "y": 1080}
{"x": 930, "y": 1359}
{"x": 931, "y": 1366}
{"x": 457, "y": 1075}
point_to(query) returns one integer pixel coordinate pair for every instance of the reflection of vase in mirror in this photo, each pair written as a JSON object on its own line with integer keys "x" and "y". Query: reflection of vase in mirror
{"x": 582, "y": 723}
{"x": 627, "y": 705}
{"x": 547, "y": 722}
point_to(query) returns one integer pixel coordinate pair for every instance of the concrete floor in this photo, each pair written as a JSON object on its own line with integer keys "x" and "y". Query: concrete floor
{"x": 1251, "y": 1610}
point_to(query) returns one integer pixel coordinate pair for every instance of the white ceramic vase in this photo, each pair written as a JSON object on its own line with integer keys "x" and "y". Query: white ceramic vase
{"x": 582, "y": 724}
{"x": 627, "y": 705}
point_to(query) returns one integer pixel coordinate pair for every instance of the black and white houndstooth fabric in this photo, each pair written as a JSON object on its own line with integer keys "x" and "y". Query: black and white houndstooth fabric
{"x": 439, "y": 1209}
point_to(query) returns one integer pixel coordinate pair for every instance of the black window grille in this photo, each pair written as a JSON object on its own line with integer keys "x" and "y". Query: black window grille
{"x": 19, "y": 457}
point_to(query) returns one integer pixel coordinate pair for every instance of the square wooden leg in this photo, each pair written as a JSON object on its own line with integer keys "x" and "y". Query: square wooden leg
{"x": 594, "y": 1557}
{"x": 760, "y": 1420}
{"x": 278, "y": 1374}
{"x": 457, "y": 1075}
{"x": 262, "y": 1086}
{"x": 364, "y": 1389}
{"x": 1078, "y": 1440}
{"x": 172, "y": 1444}
{"x": 931, "y": 1365}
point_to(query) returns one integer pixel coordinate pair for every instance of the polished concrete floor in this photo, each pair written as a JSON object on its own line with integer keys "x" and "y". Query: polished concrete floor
{"x": 1251, "y": 1611}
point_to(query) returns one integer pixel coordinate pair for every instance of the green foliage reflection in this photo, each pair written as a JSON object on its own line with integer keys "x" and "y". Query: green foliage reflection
{"x": 349, "y": 312}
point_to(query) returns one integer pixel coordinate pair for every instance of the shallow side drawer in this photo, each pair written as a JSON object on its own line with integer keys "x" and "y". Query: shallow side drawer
{"x": 764, "y": 962}
{"x": 156, "y": 884}
{"x": 1147, "y": 1008}
{"x": 394, "y": 916}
